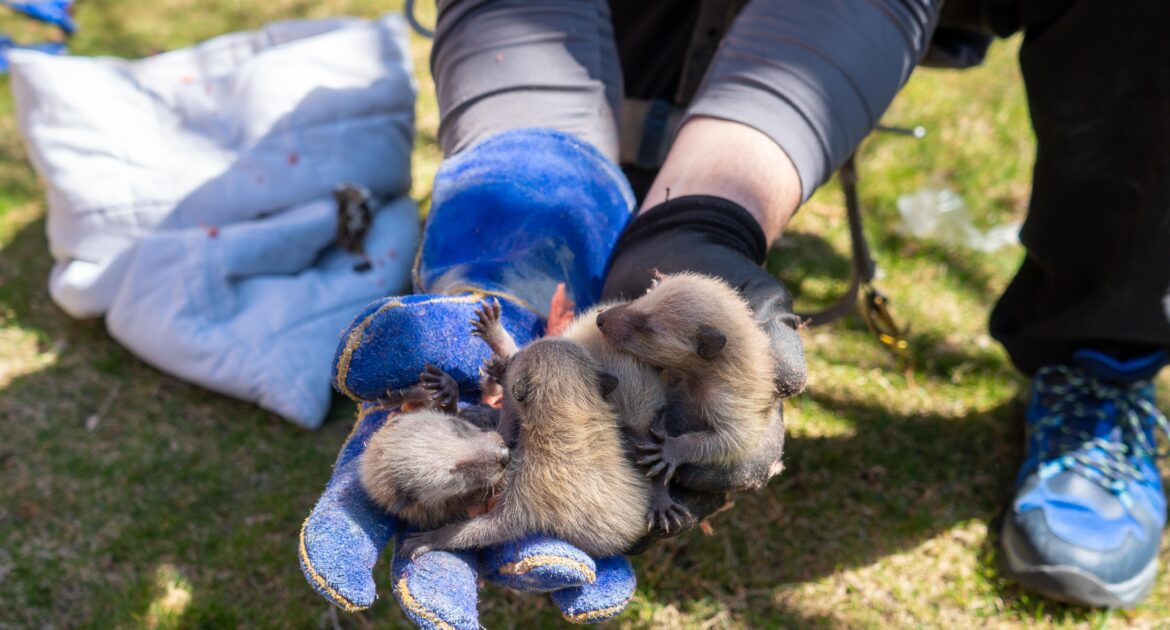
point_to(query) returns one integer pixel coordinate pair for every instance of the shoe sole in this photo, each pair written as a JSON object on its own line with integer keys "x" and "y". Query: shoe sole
{"x": 1074, "y": 585}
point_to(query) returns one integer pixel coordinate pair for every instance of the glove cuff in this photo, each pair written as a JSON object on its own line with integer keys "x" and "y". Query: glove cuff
{"x": 721, "y": 221}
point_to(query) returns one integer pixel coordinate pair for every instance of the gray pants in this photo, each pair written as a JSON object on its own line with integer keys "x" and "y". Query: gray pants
{"x": 815, "y": 76}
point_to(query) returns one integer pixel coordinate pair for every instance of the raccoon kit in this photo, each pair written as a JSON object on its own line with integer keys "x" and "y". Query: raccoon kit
{"x": 430, "y": 466}
{"x": 638, "y": 395}
{"x": 716, "y": 361}
{"x": 569, "y": 475}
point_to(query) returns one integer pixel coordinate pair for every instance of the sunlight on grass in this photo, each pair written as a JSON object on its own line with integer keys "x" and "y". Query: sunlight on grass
{"x": 21, "y": 352}
{"x": 171, "y": 601}
{"x": 884, "y": 516}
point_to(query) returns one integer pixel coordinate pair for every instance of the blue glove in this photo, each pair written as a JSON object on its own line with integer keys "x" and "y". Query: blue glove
{"x": 59, "y": 13}
{"x": 511, "y": 218}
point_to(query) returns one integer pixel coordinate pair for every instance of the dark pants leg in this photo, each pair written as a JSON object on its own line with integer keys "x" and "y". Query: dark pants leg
{"x": 1097, "y": 272}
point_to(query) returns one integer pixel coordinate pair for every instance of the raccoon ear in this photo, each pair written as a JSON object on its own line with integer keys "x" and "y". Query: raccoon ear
{"x": 608, "y": 382}
{"x": 520, "y": 389}
{"x": 711, "y": 341}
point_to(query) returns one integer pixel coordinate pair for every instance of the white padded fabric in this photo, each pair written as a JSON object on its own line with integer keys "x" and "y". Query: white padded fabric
{"x": 189, "y": 197}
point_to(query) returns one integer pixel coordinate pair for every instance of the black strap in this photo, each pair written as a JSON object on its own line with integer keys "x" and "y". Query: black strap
{"x": 715, "y": 18}
{"x": 862, "y": 265}
{"x": 876, "y": 308}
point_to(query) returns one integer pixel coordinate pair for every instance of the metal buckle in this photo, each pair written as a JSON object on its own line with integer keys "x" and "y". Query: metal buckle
{"x": 880, "y": 320}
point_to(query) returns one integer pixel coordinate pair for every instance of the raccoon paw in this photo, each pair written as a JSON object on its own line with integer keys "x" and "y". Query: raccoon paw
{"x": 416, "y": 545}
{"x": 443, "y": 389}
{"x": 494, "y": 369}
{"x": 659, "y": 455}
{"x": 668, "y": 516}
{"x": 487, "y": 318}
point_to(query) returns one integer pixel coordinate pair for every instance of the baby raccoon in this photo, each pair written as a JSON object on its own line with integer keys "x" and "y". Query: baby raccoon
{"x": 429, "y": 466}
{"x": 716, "y": 360}
{"x": 569, "y": 476}
{"x": 639, "y": 397}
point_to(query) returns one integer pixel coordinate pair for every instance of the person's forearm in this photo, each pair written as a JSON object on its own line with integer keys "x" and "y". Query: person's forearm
{"x": 794, "y": 88}
{"x": 735, "y": 162}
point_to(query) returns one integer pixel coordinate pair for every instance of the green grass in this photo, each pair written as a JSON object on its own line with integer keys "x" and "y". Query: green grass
{"x": 130, "y": 499}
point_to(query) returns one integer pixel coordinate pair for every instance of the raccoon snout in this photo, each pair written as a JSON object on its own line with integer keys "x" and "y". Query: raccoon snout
{"x": 602, "y": 317}
{"x": 609, "y": 321}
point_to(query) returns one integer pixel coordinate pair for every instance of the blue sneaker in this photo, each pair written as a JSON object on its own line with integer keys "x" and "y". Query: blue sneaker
{"x": 1087, "y": 518}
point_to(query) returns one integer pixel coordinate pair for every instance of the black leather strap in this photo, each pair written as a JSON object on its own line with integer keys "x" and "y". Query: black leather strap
{"x": 862, "y": 264}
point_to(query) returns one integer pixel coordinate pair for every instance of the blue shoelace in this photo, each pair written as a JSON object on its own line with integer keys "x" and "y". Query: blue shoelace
{"x": 1075, "y": 402}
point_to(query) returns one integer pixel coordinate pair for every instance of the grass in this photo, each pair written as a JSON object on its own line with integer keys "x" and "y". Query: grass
{"x": 130, "y": 499}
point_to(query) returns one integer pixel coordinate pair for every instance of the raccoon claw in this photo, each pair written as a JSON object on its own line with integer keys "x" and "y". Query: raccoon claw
{"x": 665, "y": 469}
{"x": 486, "y": 317}
{"x": 442, "y": 388}
{"x": 415, "y": 546}
{"x": 659, "y": 457}
{"x": 670, "y": 519}
{"x": 392, "y": 397}
{"x": 495, "y": 368}
{"x": 653, "y": 446}
{"x": 653, "y": 462}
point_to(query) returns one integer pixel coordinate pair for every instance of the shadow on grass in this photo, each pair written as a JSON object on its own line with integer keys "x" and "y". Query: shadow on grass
{"x": 117, "y": 469}
{"x": 114, "y": 470}
{"x": 111, "y": 468}
{"x": 804, "y": 258}
{"x": 16, "y": 178}
{"x": 801, "y": 257}
{"x": 843, "y": 502}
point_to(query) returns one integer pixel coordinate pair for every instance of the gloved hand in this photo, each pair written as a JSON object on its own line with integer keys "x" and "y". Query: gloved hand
{"x": 719, "y": 238}
{"x": 511, "y": 218}
{"x": 345, "y": 533}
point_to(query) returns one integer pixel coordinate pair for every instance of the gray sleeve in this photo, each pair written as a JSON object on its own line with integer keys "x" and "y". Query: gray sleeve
{"x": 507, "y": 64}
{"x": 815, "y": 75}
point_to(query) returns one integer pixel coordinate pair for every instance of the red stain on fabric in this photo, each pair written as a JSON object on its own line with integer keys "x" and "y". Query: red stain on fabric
{"x": 499, "y": 57}
{"x": 293, "y": 158}
{"x": 393, "y": 254}
{"x": 212, "y": 231}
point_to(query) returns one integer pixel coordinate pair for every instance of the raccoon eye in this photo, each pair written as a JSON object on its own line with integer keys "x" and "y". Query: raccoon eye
{"x": 710, "y": 342}
{"x": 607, "y": 383}
{"x": 642, "y": 325}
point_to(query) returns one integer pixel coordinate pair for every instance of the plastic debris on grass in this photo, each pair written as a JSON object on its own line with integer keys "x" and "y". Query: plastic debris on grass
{"x": 939, "y": 214}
